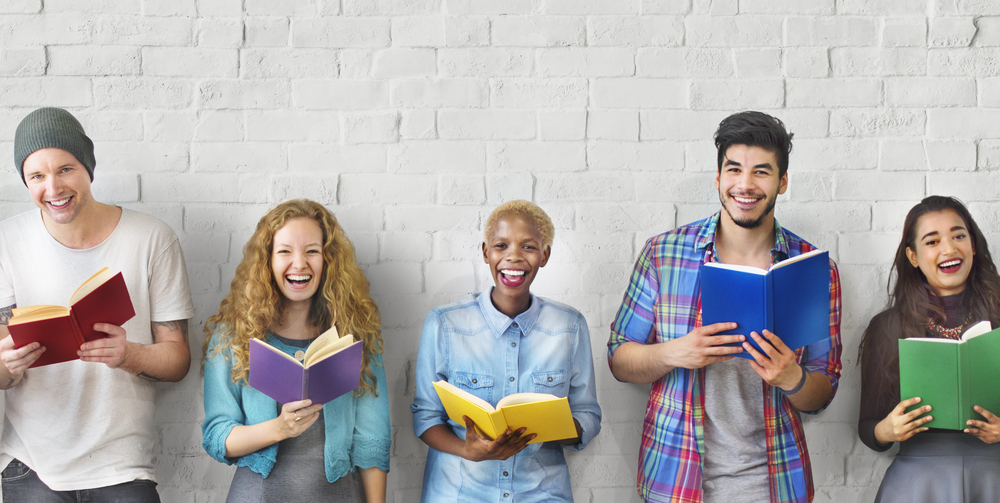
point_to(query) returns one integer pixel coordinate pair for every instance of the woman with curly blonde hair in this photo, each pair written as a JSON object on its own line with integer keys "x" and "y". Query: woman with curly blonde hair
{"x": 298, "y": 277}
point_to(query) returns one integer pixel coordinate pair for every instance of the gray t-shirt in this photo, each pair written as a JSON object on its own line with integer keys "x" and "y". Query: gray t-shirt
{"x": 84, "y": 425}
{"x": 735, "y": 461}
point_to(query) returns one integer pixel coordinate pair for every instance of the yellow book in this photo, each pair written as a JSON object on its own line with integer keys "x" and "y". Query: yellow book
{"x": 548, "y": 416}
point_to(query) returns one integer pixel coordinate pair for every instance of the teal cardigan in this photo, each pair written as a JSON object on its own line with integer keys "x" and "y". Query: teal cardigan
{"x": 357, "y": 428}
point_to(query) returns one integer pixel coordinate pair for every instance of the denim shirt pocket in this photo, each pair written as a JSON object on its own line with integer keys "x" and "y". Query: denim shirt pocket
{"x": 478, "y": 384}
{"x": 552, "y": 382}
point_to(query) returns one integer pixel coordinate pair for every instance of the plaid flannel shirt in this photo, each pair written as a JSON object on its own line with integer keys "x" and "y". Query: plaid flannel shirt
{"x": 663, "y": 302}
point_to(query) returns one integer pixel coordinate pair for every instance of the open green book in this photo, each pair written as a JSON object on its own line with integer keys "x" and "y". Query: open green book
{"x": 952, "y": 376}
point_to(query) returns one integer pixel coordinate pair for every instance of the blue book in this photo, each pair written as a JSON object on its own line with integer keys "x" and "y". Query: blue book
{"x": 791, "y": 299}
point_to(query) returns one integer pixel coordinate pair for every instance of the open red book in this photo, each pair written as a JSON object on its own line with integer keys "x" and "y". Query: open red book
{"x": 103, "y": 298}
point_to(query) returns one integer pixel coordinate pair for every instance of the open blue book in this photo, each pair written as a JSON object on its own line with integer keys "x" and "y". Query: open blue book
{"x": 791, "y": 299}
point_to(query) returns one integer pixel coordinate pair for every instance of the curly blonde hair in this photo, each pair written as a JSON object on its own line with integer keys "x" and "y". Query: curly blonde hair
{"x": 254, "y": 303}
{"x": 527, "y": 210}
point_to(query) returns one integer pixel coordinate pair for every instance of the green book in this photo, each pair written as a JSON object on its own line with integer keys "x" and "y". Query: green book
{"x": 952, "y": 375}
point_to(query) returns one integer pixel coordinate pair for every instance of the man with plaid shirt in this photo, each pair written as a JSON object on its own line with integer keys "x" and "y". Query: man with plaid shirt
{"x": 718, "y": 428}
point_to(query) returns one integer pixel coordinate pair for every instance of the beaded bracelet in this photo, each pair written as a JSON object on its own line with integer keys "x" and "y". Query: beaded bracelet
{"x": 802, "y": 382}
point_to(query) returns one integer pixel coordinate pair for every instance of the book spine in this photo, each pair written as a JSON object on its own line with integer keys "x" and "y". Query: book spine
{"x": 305, "y": 384}
{"x": 965, "y": 411}
{"x": 77, "y": 330}
{"x": 768, "y": 303}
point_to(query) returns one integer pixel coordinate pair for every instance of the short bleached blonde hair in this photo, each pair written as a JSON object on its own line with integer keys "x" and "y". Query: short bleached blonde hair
{"x": 527, "y": 210}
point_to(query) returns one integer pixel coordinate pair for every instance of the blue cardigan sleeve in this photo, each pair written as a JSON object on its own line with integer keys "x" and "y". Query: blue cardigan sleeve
{"x": 372, "y": 432}
{"x": 224, "y": 410}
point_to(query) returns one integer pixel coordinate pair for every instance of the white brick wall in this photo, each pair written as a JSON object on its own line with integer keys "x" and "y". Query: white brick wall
{"x": 412, "y": 118}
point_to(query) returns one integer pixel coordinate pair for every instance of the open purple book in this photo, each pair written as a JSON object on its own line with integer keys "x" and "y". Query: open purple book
{"x": 331, "y": 369}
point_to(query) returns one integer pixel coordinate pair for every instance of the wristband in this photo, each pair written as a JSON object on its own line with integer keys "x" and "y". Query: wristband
{"x": 802, "y": 382}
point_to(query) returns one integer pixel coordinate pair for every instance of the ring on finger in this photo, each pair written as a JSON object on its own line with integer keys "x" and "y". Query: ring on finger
{"x": 297, "y": 417}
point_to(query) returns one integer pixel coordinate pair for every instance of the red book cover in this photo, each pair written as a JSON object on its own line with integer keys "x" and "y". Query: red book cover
{"x": 101, "y": 299}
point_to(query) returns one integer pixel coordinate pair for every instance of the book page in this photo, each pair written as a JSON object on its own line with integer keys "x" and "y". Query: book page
{"x": 935, "y": 339}
{"x": 792, "y": 260}
{"x": 326, "y": 344}
{"x": 519, "y": 398}
{"x": 91, "y": 284}
{"x": 34, "y": 313}
{"x": 735, "y": 267}
{"x": 465, "y": 395}
{"x": 983, "y": 327}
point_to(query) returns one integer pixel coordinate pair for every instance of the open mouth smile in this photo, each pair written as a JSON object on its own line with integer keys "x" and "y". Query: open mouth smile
{"x": 512, "y": 277}
{"x": 950, "y": 266}
{"x": 298, "y": 281}
{"x": 60, "y": 203}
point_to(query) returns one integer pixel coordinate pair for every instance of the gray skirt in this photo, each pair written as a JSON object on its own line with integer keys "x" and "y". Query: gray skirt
{"x": 943, "y": 467}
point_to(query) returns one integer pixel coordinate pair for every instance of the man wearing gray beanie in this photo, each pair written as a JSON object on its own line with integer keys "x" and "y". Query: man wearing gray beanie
{"x": 83, "y": 429}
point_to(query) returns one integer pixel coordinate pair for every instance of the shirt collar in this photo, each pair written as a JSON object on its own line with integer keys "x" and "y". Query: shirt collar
{"x": 705, "y": 240}
{"x": 500, "y": 322}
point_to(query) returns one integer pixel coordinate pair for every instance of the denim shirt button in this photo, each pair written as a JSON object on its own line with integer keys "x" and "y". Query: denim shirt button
{"x": 550, "y": 379}
{"x": 513, "y": 344}
{"x": 474, "y": 381}
{"x": 505, "y": 495}
{"x": 504, "y": 474}
{"x": 514, "y": 324}
{"x": 511, "y": 379}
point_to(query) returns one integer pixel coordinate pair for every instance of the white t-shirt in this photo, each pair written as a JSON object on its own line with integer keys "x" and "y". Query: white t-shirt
{"x": 83, "y": 425}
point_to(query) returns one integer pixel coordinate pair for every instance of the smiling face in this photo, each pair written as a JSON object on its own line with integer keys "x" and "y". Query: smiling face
{"x": 943, "y": 251}
{"x": 514, "y": 252}
{"x": 297, "y": 259}
{"x": 749, "y": 185}
{"x": 59, "y": 185}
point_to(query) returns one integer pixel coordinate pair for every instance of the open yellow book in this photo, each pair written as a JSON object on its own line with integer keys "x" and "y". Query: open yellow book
{"x": 545, "y": 415}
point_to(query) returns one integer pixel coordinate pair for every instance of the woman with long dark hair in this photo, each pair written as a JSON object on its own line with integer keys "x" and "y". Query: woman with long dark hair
{"x": 945, "y": 281}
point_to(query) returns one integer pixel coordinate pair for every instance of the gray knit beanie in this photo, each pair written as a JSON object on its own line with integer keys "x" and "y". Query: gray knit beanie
{"x": 52, "y": 128}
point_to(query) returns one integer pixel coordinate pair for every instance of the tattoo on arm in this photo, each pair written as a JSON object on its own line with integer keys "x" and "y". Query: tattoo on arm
{"x": 149, "y": 377}
{"x": 172, "y": 326}
{"x": 10, "y": 382}
{"x": 6, "y": 313}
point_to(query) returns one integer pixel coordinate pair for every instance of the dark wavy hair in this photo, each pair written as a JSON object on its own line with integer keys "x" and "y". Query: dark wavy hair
{"x": 910, "y": 296}
{"x": 755, "y": 129}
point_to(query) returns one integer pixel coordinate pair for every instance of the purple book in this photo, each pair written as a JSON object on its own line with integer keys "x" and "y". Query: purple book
{"x": 284, "y": 379}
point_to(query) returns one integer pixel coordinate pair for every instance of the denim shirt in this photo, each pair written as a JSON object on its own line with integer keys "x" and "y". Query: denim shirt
{"x": 357, "y": 428}
{"x": 470, "y": 344}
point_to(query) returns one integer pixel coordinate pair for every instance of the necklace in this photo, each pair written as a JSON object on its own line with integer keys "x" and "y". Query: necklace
{"x": 948, "y": 333}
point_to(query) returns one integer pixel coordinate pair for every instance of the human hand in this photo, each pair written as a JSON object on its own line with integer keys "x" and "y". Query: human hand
{"x": 777, "y": 365}
{"x": 506, "y": 445}
{"x": 700, "y": 347}
{"x": 109, "y": 350}
{"x": 988, "y": 431}
{"x": 900, "y": 425}
{"x": 18, "y": 360}
{"x": 296, "y": 417}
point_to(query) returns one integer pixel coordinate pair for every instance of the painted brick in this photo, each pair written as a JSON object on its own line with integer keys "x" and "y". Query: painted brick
{"x": 930, "y": 92}
{"x": 291, "y": 126}
{"x": 143, "y": 157}
{"x": 883, "y": 7}
{"x": 834, "y": 154}
{"x": 340, "y": 94}
{"x": 831, "y": 31}
{"x": 47, "y": 92}
{"x": 466, "y": 32}
{"x": 22, "y": 62}
{"x": 328, "y": 157}
{"x": 521, "y": 93}
{"x": 219, "y": 32}
{"x": 506, "y": 187}
{"x": 474, "y": 7}
{"x": 869, "y": 186}
{"x": 639, "y": 93}
{"x": 279, "y": 63}
{"x": 635, "y": 31}
{"x": 807, "y": 62}
{"x": 679, "y": 124}
{"x": 433, "y": 156}
{"x": 684, "y": 62}
{"x": 987, "y": 31}
{"x": 758, "y": 63}
{"x": 733, "y": 31}
{"x": 461, "y": 189}
{"x": 288, "y": 8}
{"x": 370, "y": 127}
{"x": 417, "y": 31}
{"x": 162, "y": 61}
{"x": 737, "y": 95}
{"x": 539, "y": 157}
{"x": 951, "y": 32}
{"x": 418, "y": 125}
{"x": 404, "y": 246}
{"x": 434, "y": 219}
{"x": 142, "y": 30}
{"x": 488, "y": 124}
{"x": 390, "y": 7}
{"x": 170, "y": 8}
{"x": 322, "y": 189}
{"x": 833, "y": 92}
{"x": 243, "y": 94}
{"x": 962, "y": 123}
{"x": 585, "y": 187}
{"x": 20, "y": 7}
{"x": 963, "y": 62}
{"x": 485, "y": 62}
{"x": 392, "y": 63}
{"x": 396, "y": 189}
{"x": 562, "y": 124}
{"x": 266, "y": 32}
{"x": 586, "y": 62}
{"x": 90, "y": 60}
{"x": 904, "y": 31}
{"x": 877, "y": 122}
{"x": 613, "y": 124}
{"x": 238, "y": 157}
{"x": 591, "y": 7}
{"x": 220, "y": 126}
{"x": 967, "y": 186}
{"x": 988, "y": 156}
{"x": 537, "y": 31}
{"x": 632, "y": 157}
{"x": 340, "y": 32}
{"x": 416, "y": 93}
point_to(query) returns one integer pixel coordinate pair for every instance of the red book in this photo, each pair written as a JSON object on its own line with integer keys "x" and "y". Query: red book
{"x": 103, "y": 298}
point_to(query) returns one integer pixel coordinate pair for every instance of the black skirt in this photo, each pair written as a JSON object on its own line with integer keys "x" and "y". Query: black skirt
{"x": 943, "y": 467}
